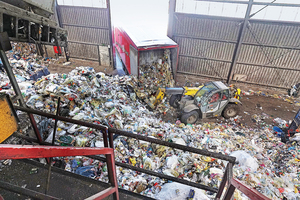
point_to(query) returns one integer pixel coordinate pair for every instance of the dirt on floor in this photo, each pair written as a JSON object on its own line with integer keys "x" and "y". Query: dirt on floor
{"x": 61, "y": 66}
{"x": 255, "y": 112}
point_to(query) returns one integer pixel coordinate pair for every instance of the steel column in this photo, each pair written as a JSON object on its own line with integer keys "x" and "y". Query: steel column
{"x": 99, "y": 57}
{"x": 172, "y": 9}
{"x": 239, "y": 42}
{"x": 110, "y": 35}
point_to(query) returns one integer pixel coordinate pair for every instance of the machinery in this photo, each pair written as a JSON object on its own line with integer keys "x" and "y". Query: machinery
{"x": 292, "y": 129}
{"x": 176, "y": 94}
{"x": 211, "y": 100}
{"x": 32, "y": 21}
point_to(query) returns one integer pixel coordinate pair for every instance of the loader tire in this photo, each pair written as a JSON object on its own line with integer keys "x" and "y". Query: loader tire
{"x": 230, "y": 111}
{"x": 190, "y": 117}
{"x": 174, "y": 100}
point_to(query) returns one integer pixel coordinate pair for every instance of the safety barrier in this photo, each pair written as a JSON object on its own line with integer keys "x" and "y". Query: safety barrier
{"x": 108, "y": 142}
{"x": 29, "y": 151}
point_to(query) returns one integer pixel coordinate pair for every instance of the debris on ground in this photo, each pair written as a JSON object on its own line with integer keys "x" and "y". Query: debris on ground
{"x": 263, "y": 161}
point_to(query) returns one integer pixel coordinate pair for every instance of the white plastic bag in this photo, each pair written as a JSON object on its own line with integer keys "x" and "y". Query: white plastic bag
{"x": 246, "y": 160}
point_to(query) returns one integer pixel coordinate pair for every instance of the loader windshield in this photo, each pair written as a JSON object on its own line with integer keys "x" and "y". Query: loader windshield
{"x": 203, "y": 92}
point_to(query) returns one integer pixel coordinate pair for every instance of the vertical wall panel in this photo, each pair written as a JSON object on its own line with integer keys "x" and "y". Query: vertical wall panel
{"x": 270, "y": 50}
{"x": 87, "y": 28}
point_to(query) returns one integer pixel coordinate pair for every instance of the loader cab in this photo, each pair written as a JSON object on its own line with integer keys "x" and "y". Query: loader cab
{"x": 212, "y": 98}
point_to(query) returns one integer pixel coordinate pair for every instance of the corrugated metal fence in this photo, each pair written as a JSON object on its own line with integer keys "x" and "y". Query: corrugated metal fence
{"x": 269, "y": 56}
{"x": 88, "y": 28}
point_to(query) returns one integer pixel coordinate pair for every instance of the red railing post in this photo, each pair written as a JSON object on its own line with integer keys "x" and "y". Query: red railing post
{"x": 8, "y": 151}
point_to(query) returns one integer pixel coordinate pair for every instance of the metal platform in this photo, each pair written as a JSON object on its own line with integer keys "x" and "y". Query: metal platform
{"x": 77, "y": 186}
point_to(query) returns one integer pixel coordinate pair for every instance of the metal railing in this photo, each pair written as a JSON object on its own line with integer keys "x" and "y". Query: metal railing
{"x": 28, "y": 151}
{"x": 232, "y": 184}
{"x": 108, "y": 142}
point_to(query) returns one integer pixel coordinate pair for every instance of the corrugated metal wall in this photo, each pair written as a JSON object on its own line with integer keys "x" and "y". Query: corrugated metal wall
{"x": 207, "y": 44}
{"x": 88, "y": 28}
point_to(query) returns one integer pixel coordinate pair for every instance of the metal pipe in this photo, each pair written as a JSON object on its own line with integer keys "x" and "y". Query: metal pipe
{"x": 176, "y": 146}
{"x": 71, "y": 56}
{"x": 87, "y": 43}
{"x": 276, "y": 4}
{"x": 234, "y": 42}
{"x": 56, "y": 119}
{"x": 204, "y": 58}
{"x": 99, "y": 57}
{"x": 105, "y": 137}
{"x": 239, "y": 42}
{"x": 247, "y": 82}
{"x": 36, "y": 130}
{"x": 17, "y": 28}
{"x": 111, "y": 140}
{"x": 225, "y": 1}
{"x": 83, "y": 26}
{"x": 139, "y": 137}
{"x": 11, "y": 76}
{"x": 195, "y": 74}
{"x": 49, "y": 115}
{"x": 267, "y": 66}
{"x": 254, "y": 3}
{"x": 124, "y": 165}
{"x": 203, "y": 38}
{"x": 249, "y": 192}
{"x": 53, "y": 139}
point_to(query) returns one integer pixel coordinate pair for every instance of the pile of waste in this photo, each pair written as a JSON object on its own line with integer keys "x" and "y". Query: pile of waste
{"x": 25, "y": 64}
{"x": 152, "y": 77}
{"x": 263, "y": 162}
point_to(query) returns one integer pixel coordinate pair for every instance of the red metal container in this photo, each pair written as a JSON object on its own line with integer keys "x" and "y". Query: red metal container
{"x": 136, "y": 46}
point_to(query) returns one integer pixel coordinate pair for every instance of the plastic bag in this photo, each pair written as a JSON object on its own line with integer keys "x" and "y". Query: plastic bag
{"x": 245, "y": 160}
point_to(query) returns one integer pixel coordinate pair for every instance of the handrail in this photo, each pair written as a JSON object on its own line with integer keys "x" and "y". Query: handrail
{"x": 111, "y": 131}
{"x": 8, "y": 151}
{"x": 108, "y": 132}
{"x": 249, "y": 192}
{"x": 233, "y": 184}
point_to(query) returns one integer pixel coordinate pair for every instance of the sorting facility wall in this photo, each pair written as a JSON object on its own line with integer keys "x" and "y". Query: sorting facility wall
{"x": 269, "y": 55}
{"x": 88, "y": 30}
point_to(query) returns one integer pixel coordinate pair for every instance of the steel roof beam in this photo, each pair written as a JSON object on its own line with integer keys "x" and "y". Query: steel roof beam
{"x": 254, "y": 3}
